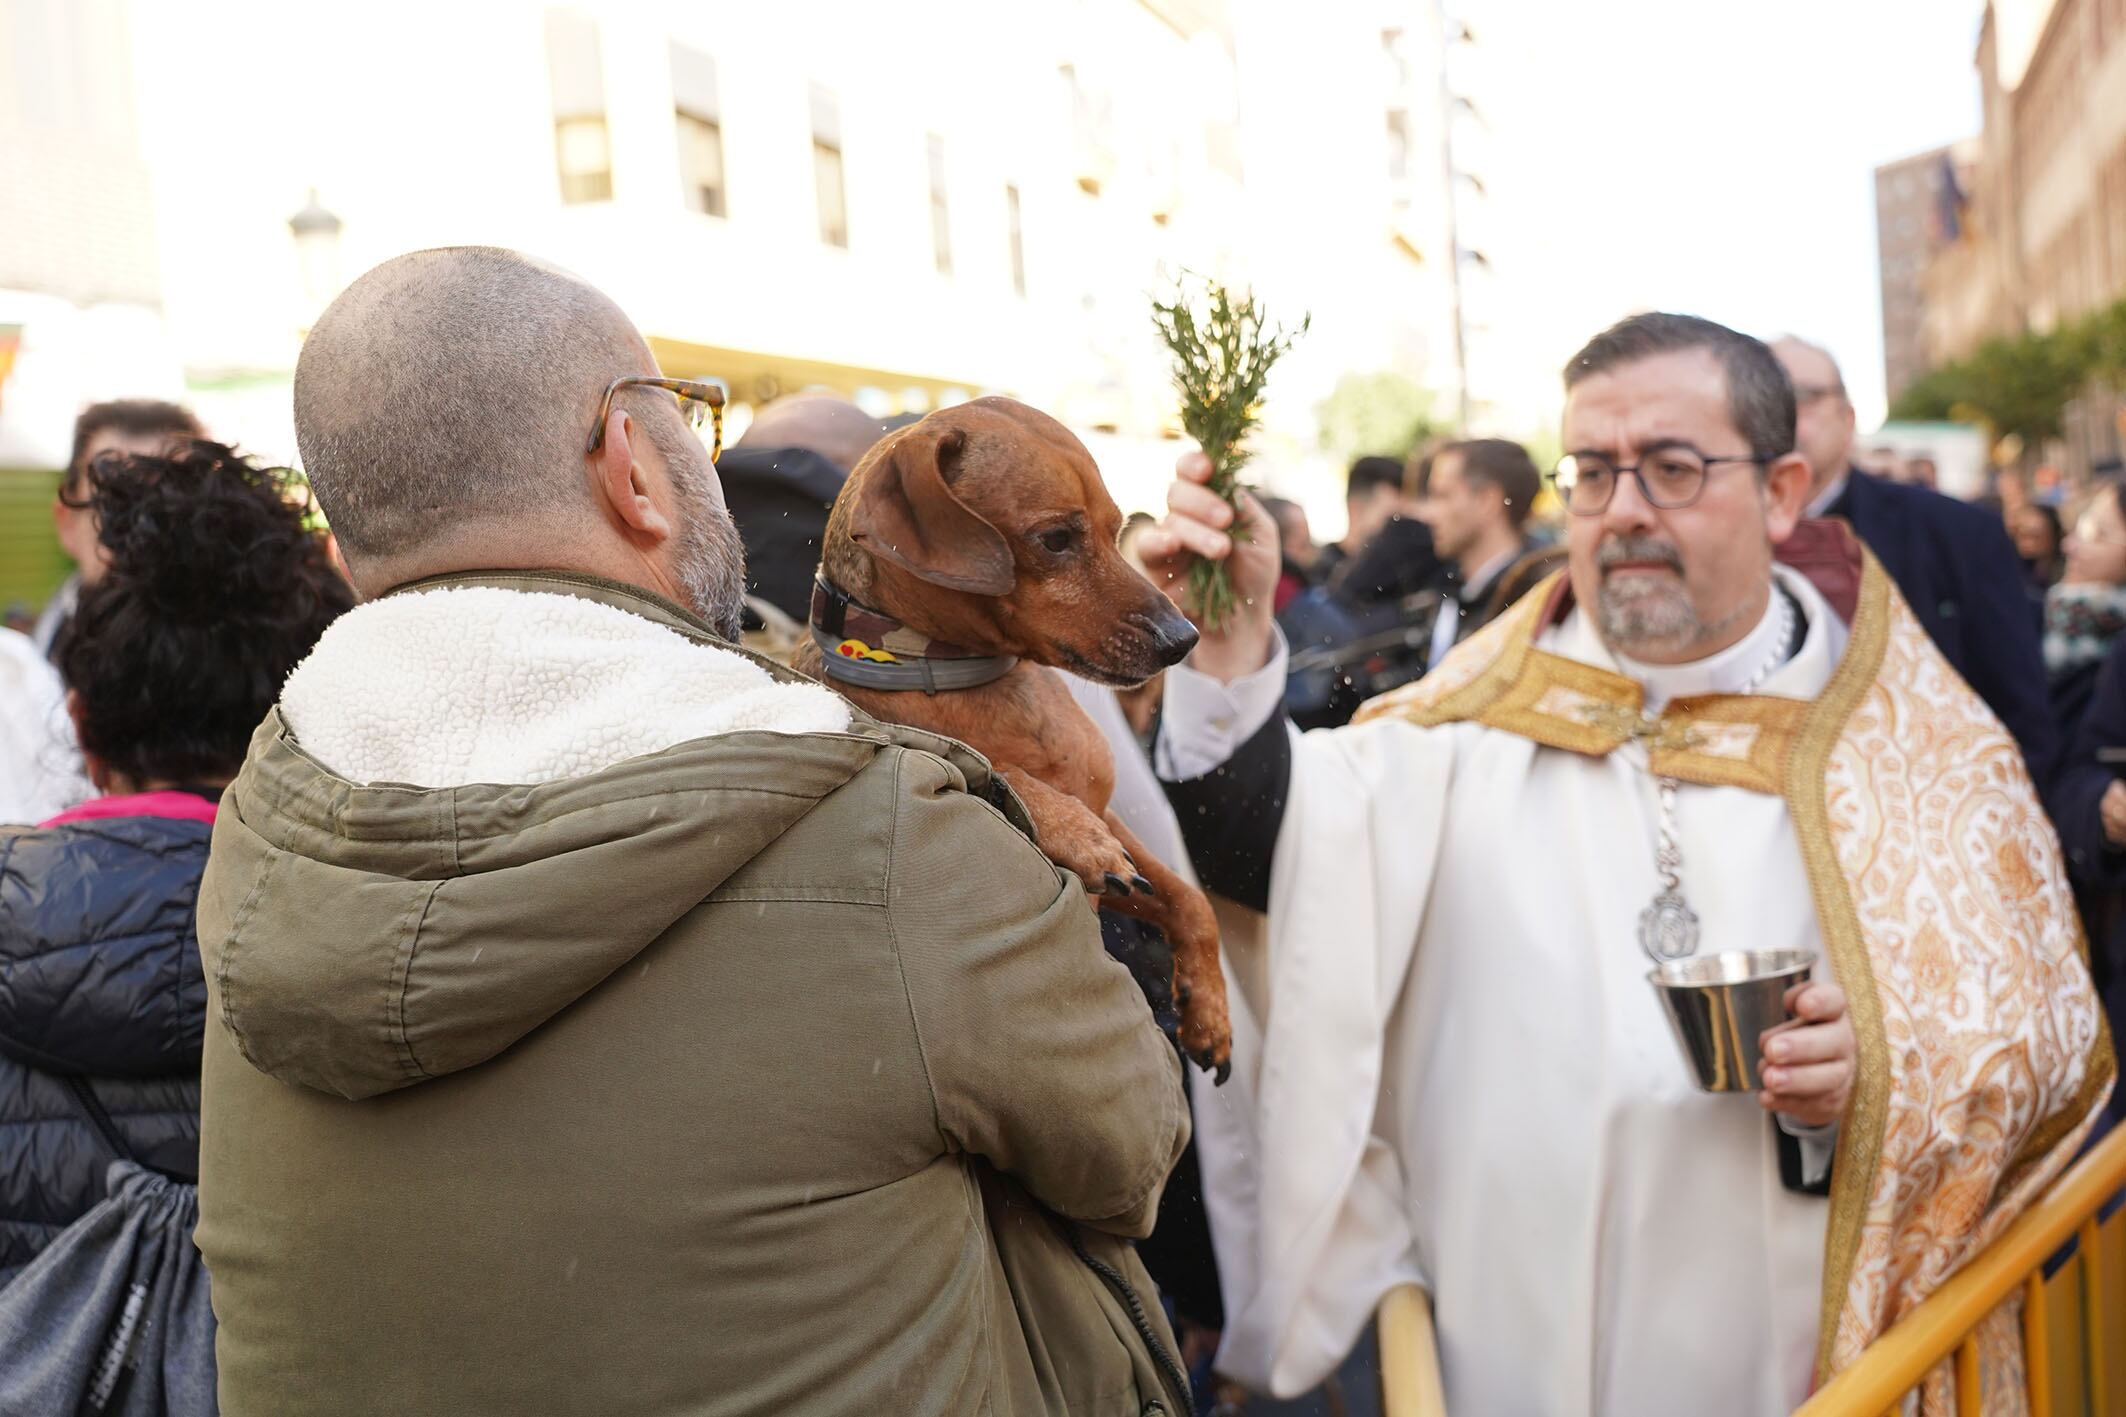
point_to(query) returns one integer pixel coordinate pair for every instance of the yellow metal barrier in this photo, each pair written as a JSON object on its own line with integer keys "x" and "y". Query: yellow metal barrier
{"x": 1409, "y": 1356}
{"x": 2074, "y": 1323}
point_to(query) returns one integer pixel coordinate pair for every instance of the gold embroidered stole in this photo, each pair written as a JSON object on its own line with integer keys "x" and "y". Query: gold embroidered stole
{"x": 1942, "y": 899}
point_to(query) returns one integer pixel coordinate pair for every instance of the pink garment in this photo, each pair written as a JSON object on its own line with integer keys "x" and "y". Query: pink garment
{"x": 182, "y": 806}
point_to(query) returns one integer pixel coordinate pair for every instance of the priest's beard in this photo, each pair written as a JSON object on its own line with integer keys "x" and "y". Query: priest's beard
{"x": 1643, "y": 615}
{"x": 708, "y": 560}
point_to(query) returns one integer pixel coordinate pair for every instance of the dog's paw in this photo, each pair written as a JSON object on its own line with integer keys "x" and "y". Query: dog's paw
{"x": 1206, "y": 1029}
{"x": 1207, "y": 1038}
{"x": 1095, "y": 858}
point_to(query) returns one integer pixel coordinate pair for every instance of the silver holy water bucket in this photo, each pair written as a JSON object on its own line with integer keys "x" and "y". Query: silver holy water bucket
{"x": 1721, "y": 1005}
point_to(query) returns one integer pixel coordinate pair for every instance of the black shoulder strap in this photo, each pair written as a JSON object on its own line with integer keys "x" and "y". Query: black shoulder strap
{"x": 92, "y": 1107}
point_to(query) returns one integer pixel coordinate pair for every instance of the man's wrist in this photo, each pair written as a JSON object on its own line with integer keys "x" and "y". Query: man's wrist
{"x": 1241, "y": 648}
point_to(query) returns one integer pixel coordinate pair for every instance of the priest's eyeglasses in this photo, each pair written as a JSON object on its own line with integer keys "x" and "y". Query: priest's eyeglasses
{"x": 700, "y": 404}
{"x": 1668, "y": 479}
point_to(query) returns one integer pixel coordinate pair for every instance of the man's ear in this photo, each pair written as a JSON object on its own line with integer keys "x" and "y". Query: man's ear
{"x": 1786, "y": 494}
{"x": 619, "y": 482}
{"x": 906, "y": 513}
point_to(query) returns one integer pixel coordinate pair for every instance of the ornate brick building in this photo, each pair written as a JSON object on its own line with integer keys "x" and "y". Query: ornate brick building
{"x": 2043, "y": 223}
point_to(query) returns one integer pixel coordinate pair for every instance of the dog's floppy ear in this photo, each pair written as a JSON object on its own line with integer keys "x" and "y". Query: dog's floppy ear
{"x": 906, "y": 512}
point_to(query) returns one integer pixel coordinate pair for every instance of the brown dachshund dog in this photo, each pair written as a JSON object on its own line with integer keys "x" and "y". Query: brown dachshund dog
{"x": 968, "y": 558}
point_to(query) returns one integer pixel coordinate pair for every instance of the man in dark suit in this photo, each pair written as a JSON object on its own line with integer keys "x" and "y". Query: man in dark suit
{"x": 1475, "y": 495}
{"x": 1953, "y": 562}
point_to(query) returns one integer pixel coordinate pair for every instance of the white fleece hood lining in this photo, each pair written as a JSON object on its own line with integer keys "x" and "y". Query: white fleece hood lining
{"x": 476, "y": 684}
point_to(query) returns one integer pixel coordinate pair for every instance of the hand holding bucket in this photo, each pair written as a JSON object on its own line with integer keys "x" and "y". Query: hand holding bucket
{"x": 1722, "y": 1006}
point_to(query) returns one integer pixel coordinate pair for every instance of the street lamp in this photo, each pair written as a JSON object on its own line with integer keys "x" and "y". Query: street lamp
{"x": 317, "y": 249}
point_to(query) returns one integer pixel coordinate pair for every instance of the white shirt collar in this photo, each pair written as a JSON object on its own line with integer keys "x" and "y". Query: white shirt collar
{"x": 1823, "y": 501}
{"x": 1479, "y": 581}
{"x": 1728, "y": 670}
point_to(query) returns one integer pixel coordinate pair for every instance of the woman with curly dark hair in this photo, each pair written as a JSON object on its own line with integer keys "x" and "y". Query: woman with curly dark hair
{"x": 217, "y": 588}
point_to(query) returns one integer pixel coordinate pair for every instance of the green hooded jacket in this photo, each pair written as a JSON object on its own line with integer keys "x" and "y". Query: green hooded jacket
{"x": 765, "y": 1073}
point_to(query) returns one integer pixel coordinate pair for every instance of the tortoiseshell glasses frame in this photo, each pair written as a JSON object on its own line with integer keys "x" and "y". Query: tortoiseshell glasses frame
{"x": 699, "y": 403}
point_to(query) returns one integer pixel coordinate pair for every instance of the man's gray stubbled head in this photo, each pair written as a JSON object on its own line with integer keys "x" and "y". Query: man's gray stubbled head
{"x": 455, "y": 388}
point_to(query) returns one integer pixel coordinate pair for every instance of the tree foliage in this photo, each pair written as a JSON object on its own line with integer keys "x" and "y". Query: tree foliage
{"x": 2020, "y": 385}
{"x": 1385, "y": 413}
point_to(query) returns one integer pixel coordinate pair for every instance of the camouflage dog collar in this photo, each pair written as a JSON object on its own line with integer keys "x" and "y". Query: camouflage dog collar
{"x": 872, "y": 650}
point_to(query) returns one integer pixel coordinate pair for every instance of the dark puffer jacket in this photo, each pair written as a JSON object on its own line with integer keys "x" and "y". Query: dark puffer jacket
{"x": 99, "y": 977}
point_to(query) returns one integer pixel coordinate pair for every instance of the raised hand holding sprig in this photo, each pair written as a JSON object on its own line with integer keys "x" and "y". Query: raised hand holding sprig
{"x": 1222, "y": 360}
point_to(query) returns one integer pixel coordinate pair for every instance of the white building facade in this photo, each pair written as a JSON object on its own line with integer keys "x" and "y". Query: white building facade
{"x": 910, "y": 205}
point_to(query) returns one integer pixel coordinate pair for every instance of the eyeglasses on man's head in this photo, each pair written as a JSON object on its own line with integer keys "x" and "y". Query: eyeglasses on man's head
{"x": 700, "y": 404}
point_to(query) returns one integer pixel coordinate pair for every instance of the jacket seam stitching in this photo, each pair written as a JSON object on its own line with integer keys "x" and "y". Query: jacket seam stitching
{"x": 457, "y": 862}
{"x": 237, "y": 924}
{"x": 395, "y": 1000}
{"x": 893, "y": 935}
{"x": 508, "y": 834}
{"x": 796, "y": 896}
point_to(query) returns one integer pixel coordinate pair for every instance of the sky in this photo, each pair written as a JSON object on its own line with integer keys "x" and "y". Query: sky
{"x": 1709, "y": 156}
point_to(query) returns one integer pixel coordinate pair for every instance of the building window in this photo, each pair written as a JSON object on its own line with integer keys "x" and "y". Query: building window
{"x": 699, "y": 119}
{"x": 1092, "y": 154}
{"x": 575, "y": 68}
{"x": 827, "y": 185}
{"x": 1397, "y": 54}
{"x": 1018, "y": 239}
{"x": 940, "y": 213}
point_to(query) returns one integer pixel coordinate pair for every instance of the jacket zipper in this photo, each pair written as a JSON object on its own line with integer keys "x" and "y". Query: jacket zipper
{"x": 1169, "y": 1368}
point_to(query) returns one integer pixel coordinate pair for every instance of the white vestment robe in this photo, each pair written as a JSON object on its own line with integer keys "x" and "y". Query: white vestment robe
{"x": 1450, "y": 1066}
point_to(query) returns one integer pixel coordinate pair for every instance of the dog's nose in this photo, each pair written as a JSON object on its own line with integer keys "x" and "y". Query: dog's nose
{"x": 1172, "y": 635}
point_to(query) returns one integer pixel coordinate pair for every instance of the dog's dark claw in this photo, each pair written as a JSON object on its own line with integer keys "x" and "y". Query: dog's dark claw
{"x": 1116, "y": 885}
{"x": 1225, "y": 1070}
{"x": 1143, "y": 886}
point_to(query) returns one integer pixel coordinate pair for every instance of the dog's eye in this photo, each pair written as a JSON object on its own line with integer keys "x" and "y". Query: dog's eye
{"x": 1057, "y": 539}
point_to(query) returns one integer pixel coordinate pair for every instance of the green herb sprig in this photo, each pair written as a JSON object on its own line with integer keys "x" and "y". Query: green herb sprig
{"x": 1222, "y": 360}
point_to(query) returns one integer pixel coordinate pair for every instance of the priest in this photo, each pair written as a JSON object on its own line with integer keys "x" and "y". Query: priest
{"x": 1718, "y": 729}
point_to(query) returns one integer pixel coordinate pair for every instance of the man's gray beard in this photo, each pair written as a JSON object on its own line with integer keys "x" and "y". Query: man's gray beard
{"x": 1661, "y": 619}
{"x": 708, "y": 558}
{"x": 1642, "y": 615}
{"x": 1647, "y": 615}
{"x": 712, "y": 571}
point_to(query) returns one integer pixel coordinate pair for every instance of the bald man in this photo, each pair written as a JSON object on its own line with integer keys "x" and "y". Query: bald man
{"x": 602, "y": 1020}
{"x": 781, "y": 479}
{"x": 825, "y": 423}
{"x": 1952, "y": 562}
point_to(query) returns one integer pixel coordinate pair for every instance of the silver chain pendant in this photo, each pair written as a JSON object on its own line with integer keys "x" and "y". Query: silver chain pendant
{"x": 1668, "y": 927}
